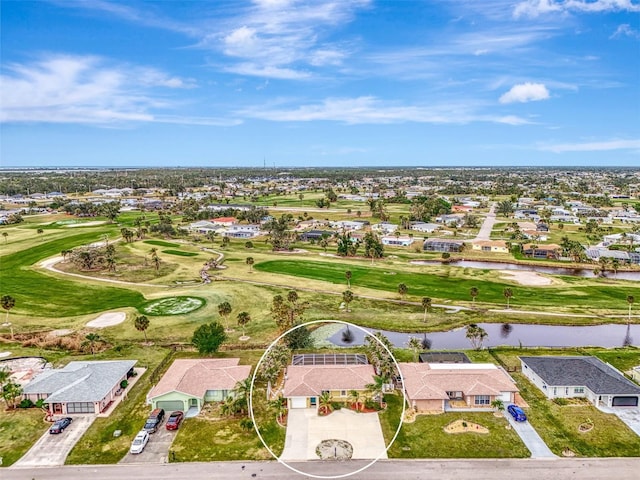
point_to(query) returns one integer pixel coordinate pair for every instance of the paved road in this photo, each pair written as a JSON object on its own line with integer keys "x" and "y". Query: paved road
{"x": 487, "y": 225}
{"x": 53, "y": 449}
{"x": 520, "y": 469}
{"x": 530, "y": 438}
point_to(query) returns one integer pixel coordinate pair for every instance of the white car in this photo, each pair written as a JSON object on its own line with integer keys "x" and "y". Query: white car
{"x": 138, "y": 444}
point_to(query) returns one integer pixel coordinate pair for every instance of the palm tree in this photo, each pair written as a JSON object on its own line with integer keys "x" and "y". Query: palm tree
{"x": 402, "y": 290}
{"x": 8, "y": 302}
{"x": 142, "y": 323}
{"x": 91, "y": 339}
{"x": 415, "y": 344}
{"x": 241, "y": 394}
{"x": 498, "y": 405}
{"x": 377, "y": 387}
{"x": 476, "y": 335}
{"x": 250, "y": 261}
{"x": 5, "y": 235}
{"x": 348, "y": 275}
{"x": 615, "y": 265}
{"x": 630, "y": 300}
{"x": 474, "y": 293}
{"x": 354, "y": 395}
{"x": 325, "y": 402}
{"x": 224, "y": 310}
{"x": 243, "y": 319}
{"x": 426, "y": 304}
{"x": 347, "y": 298}
{"x": 508, "y": 293}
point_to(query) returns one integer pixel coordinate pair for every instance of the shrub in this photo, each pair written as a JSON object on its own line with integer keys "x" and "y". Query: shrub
{"x": 40, "y": 403}
{"x": 248, "y": 245}
{"x": 560, "y": 401}
{"x": 25, "y": 403}
{"x": 336, "y": 405}
{"x": 446, "y": 255}
{"x": 123, "y": 384}
{"x": 464, "y": 424}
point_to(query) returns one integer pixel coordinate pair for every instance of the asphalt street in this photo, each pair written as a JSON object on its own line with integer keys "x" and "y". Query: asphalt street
{"x": 520, "y": 469}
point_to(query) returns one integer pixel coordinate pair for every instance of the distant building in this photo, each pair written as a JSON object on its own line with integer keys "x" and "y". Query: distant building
{"x": 550, "y": 251}
{"x": 490, "y": 246}
{"x": 392, "y": 240}
{"x": 442, "y": 245}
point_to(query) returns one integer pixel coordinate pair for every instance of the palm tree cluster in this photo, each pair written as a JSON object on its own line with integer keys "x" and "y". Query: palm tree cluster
{"x": 476, "y": 335}
{"x": 379, "y": 356}
{"x": 237, "y": 403}
{"x": 272, "y": 365}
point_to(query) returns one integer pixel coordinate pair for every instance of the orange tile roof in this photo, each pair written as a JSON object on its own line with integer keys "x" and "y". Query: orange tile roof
{"x": 309, "y": 380}
{"x": 196, "y": 376}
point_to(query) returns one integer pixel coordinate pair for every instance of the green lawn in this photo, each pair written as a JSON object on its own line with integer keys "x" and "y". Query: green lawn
{"x": 426, "y": 438}
{"x": 558, "y": 426}
{"x": 180, "y": 253}
{"x": 162, "y": 243}
{"x": 19, "y": 430}
{"x": 455, "y": 283}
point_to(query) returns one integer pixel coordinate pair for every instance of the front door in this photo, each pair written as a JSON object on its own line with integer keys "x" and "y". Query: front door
{"x": 57, "y": 408}
{"x": 313, "y": 401}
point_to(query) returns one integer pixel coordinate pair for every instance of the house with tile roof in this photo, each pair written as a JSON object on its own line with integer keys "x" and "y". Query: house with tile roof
{"x": 80, "y": 387}
{"x": 304, "y": 384}
{"x": 440, "y": 387}
{"x": 189, "y": 383}
{"x": 582, "y": 377}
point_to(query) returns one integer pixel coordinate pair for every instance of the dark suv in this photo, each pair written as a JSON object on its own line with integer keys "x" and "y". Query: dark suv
{"x": 154, "y": 420}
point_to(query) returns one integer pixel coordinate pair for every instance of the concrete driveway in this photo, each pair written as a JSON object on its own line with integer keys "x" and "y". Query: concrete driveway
{"x": 629, "y": 415}
{"x": 157, "y": 450}
{"x": 530, "y": 438}
{"x": 52, "y": 450}
{"x": 305, "y": 430}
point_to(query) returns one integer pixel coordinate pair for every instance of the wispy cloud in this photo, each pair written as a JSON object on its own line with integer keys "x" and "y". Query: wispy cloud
{"x": 86, "y": 89}
{"x": 371, "y": 110}
{"x": 525, "y": 92}
{"x": 625, "y": 30}
{"x": 535, "y": 8}
{"x": 592, "y": 146}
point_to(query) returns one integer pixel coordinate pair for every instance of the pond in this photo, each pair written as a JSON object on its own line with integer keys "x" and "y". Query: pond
{"x": 611, "y": 335}
{"x": 576, "y": 272}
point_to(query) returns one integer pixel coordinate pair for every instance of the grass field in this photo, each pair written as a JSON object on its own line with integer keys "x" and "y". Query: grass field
{"x": 19, "y": 429}
{"x": 426, "y": 438}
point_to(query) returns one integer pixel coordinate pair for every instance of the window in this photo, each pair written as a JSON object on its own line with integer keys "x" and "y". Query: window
{"x": 482, "y": 400}
{"x": 578, "y": 390}
{"x": 343, "y": 393}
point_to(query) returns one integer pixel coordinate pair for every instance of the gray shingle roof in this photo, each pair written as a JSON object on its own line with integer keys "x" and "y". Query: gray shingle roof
{"x": 591, "y": 372}
{"x": 80, "y": 381}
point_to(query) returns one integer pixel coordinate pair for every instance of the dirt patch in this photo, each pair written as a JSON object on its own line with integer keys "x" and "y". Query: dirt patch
{"x": 461, "y": 426}
{"x": 530, "y": 279}
{"x": 60, "y": 333}
{"x": 108, "y": 319}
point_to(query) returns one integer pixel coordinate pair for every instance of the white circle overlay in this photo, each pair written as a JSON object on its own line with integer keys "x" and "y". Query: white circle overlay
{"x": 253, "y": 379}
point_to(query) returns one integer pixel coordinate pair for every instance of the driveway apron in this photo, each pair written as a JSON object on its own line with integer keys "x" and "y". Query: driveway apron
{"x": 530, "y": 438}
{"x": 51, "y": 450}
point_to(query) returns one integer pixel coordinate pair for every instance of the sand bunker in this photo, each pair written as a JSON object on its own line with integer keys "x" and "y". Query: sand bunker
{"x": 107, "y": 320}
{"x": 4, "y": 354}
{"x": 60, "y": 333}
{"x": 86, "y": 224}
{"x": 531, "y": 279}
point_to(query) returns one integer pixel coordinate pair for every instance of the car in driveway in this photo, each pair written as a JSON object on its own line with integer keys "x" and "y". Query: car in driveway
{"x": 59, "y": 425}
{"x": 517, "y": 413}
{"x": 154, "y": 420}
{"x": 139, "y": 442}
{"x": 174, "y": 420}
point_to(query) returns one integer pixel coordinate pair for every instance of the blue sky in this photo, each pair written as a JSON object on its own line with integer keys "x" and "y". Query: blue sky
{"x": 320, "y": 83}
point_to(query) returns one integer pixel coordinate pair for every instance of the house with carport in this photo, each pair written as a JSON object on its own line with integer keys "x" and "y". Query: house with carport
{"x": 442, "y": 387}
{"x": 581, "y": 377}
{"x": 189, "y": 383}
{"x": 81, "y": 386}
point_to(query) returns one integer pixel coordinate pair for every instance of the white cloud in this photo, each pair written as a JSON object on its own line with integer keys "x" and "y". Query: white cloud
{"x": 525, "y": 92}
{"x": 89, "y": 90}
{"x": 371, "y": 110}
{"x": 593, "y": 146}
{"x": 625, "y": 30}
{"x": 535, "y": 8}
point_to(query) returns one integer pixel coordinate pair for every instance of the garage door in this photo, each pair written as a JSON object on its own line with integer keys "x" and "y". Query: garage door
{"x": 81, "y": 407}
{"x": 625, "y": 401}
{"x": 505, "y": 397}
{"x": 171, "y": 405}
{"x": 298, "y": 402}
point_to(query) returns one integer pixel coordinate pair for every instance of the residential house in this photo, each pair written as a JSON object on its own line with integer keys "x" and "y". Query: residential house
{"x": 242, "y": 231}
{"x": 453, "y": 220}
{"x": 490, "y": 246}
{"x": 224, "y": 221}
{"x": 400, "y": 241}
{"x": 316, "y": 235}
{"x": 425, "y": 227}
{"x": 550, "y": 251}
{"x": 204, "y": 227}
{"x": 440, "y": 387}
{"x": 80, "y": 387}
{"x": 582, "y": 377}
{"x": 304, "y": 384}
{"x": 384, "y": 227}
{"x": 189, "y": 383}
{"x": 442, "y": 245}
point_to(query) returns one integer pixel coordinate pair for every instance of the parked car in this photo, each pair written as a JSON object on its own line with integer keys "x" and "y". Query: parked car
{"x": 517, "y": 413}
{"x": 174, "y": 420}
{"x": 60, "y": 425}
{"x": 138, "y": 444}
{"x": 154, "y": 420}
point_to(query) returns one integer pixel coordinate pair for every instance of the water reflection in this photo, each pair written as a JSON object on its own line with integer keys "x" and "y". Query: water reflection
{"x": 611, "y": 335}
